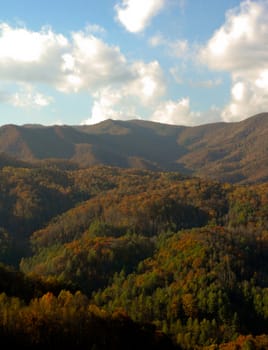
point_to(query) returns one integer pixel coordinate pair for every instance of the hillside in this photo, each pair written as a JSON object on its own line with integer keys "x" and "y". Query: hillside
{"x": 131, "y": 257}
{"x": 232, "y": 152}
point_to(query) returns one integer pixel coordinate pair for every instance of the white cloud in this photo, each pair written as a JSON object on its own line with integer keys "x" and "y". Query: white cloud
{"x": 144, "y": 89}
{"x": 92, "y": 64}
{"x": 174, "y": 112}
{"x": 21, "y": 45}
{"x": 240, "y": 47}
{"x": 238, "y": 91}
{"x": 83, "y": 62}
{"x": 241, "y": 43}
{"x": 135, "y": 15}
{"x": 246, "y": 99}
{"x": 108, "y": 105}
{"x": 262, "y": 80}
{"x": 180, "y": 113}
{"x": 103, "y": 106}
{"x": 30, "y": 56}
{"x": 28, "y": 97}
{"x": 149, "y": 84}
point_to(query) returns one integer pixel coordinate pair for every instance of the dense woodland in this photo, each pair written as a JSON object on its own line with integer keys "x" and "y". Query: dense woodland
{"x": 112, "y": 258}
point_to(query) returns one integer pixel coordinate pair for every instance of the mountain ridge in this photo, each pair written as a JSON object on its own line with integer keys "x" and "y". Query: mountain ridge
{"x": 235, "y": 152}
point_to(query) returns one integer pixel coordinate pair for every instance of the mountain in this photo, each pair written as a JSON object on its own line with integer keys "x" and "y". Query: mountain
{"x": 234, "y": 152}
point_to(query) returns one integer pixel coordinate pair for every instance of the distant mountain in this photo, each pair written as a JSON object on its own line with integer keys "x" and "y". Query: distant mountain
{"x": 233, "y": 152}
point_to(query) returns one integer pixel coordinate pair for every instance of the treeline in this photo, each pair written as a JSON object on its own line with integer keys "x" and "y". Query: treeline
{"x": 69, "y": 320}
{"x": 133, "y": 257}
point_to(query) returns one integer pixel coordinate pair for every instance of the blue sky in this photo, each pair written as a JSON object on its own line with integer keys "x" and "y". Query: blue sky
{"x": 184, "y": 62}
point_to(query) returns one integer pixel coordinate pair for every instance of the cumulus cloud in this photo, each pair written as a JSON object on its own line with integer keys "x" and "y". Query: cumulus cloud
{"x": 136, "y": 15}
{"x": 104, "y": 106}
{"x": 92, "y": 64}
{"x": 108, "y": 104}
{"x": 149, "y": 83}
{"x": 180, "y": 113}
{"x": 246, "y": 99}
{"x": 21, "y": 45}
{"x": 30, "y": 56}
{"x": 173, "y": 112}
{"x": 82, "y": 62}
{"x": 144, "y": 89}
{"x": 240, "y": 47}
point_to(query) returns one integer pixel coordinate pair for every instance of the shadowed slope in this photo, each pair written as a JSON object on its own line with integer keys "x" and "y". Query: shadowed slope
{"x": 235, "y": 152}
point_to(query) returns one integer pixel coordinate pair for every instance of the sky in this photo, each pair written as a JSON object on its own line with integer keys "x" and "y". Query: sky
{"x": 181, "y": 62}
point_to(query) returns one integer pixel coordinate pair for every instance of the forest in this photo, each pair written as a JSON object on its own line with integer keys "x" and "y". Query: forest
{"x": 111, "y": 258}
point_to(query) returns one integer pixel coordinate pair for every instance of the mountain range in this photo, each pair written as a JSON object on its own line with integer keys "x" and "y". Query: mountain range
{"x": 233, "y": 152}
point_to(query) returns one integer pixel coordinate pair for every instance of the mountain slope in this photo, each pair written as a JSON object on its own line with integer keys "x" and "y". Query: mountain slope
{"x": 235, "y": 152}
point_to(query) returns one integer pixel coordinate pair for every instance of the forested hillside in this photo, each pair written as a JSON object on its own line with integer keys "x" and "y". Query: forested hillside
{"x": 112, "y": 258}
{"x": 233, "y": 152}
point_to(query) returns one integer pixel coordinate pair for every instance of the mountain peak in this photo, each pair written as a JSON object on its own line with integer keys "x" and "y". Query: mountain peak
{"x": 233, "y": 152}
